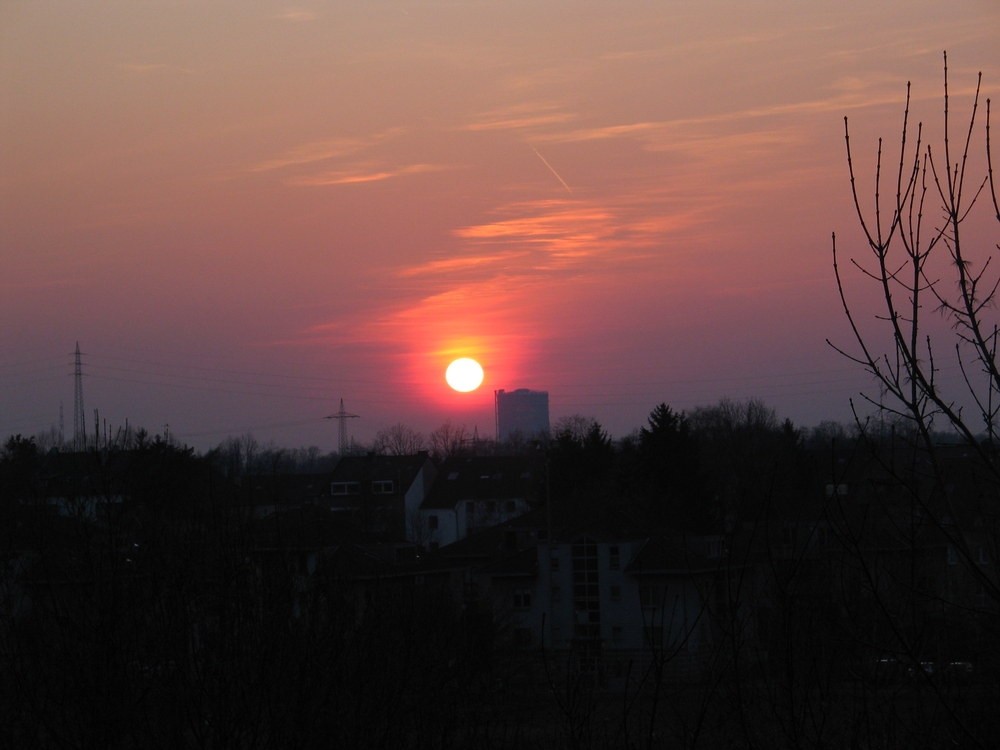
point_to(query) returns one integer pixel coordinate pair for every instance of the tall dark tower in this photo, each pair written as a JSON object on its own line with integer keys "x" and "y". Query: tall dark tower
{"x": 79, "y": 423}
{"x": 342, "y": 417}
{"x": 523, "y": 411}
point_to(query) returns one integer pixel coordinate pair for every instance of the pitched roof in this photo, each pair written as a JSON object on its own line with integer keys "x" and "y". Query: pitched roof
{"x": 402, "y": 470}
{"x": 467, "y": 478}
{"x": 289, "y": 489}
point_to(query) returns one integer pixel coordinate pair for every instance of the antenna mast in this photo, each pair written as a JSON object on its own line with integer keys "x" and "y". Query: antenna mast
{"x": 342, "y": 417}
{"x": 79, "y": 421}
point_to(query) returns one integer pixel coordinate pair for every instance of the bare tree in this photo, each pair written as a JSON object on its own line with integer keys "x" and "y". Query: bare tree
{"x": 905, "y": 261}
{"x": 576, "y": 427}
{"x": 447, "y": 440}
{"x": 921, "y": 257}
{"x": 398, "y": 440}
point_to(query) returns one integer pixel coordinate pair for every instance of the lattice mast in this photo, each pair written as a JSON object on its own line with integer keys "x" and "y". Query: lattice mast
{"x": 79, "y": 422}
{"x": 342, "y": 417}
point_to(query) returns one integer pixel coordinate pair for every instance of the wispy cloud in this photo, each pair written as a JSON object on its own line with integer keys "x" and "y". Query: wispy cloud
{"x": 293, "y": 15}
{"x": 463, "y": 264}
{"x": 520, "y": 117}
{"x": 142, "y": 68}
{"x": 846, "y": 94}
{"x": 515, "y": 123}
{"x": 352, "y": 177}
{"x": 563, "y": 235}
{"x": 316, "y": 151}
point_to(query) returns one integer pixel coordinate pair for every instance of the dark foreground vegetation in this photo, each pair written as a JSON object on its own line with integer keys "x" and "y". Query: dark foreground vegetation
{"x": 146, "y": 603}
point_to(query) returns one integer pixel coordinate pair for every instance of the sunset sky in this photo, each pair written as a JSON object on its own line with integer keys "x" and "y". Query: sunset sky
{"x": 246, "y": 211}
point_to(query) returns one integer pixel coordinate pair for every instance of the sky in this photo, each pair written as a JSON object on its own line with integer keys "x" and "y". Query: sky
{"x": 247, "y": 211}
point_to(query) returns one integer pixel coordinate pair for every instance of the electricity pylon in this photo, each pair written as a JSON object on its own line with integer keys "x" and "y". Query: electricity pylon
{"x": 342, "y": 417}
{"x": 79, "y": 422}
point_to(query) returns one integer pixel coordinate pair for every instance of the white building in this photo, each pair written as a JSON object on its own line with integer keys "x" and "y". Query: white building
{"x": 472, "y": 493}
{"x": 600, "y": 593}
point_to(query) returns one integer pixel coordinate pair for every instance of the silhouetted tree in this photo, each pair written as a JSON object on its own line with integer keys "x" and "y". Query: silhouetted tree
{"x": 581, "y": 456}
{"x": 670, "y": 470}
{"x": 914, "y": 515}
{"x": 19, "y": 469}
{"x": 398, "y": 440}
{"x": 447, "y": 440}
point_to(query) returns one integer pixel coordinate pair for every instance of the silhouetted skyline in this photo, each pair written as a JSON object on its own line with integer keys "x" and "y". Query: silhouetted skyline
{"x": 245, "y": 214}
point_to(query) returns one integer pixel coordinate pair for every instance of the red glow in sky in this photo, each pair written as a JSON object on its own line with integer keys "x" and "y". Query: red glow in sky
{"x": 247, "y": 212}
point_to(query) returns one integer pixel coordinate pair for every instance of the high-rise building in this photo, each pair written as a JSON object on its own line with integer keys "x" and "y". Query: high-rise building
{"x": 522, "y": 411}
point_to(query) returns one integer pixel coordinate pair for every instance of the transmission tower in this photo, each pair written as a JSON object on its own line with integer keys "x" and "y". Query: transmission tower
{"x": 342, "y": 417}
{"x": 79, "y": 423}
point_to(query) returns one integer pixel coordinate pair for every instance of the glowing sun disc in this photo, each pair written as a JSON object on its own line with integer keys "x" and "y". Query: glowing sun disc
{"x": 464, "y": 375}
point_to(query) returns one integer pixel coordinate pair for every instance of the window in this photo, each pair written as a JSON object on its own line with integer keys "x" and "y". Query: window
{"x": 453, "y": 476}
{"x": 651, "y": 596}
{"x": 345, "y": 488}
{"x": 616, "y": 634}
{"x": 554, "y": 559}
{"x": 432, "y": 522}
{"x": 522, "y": 599}
{"x": 616, "y": 593}
{"x": 556, "y": 594}
{"x": 382, "y": 487}
{"x": 614, "y": 561}
{"x": 586, "y": 590}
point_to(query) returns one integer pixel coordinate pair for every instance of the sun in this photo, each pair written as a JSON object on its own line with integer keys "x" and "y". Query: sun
{"x": 464, "y": 375}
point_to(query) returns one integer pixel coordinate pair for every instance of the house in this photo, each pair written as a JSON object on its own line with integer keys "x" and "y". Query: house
{"x": 269, "y": 493}
{"x": 473, "y": 493}
{"x": 596, "y": 591}
{"x": 382, "y": 493}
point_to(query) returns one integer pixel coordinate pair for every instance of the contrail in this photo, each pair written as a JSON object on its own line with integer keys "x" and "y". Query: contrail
{"x": 552, "y": 170}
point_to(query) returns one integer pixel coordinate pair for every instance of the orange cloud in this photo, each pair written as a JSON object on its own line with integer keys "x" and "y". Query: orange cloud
{"x": 451, "y": 265}
{"x": 520, "y": 116}
{"x": 349, "y": 178}
{"x": 562, "y": 234}
{"x": 309, "y": 153}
